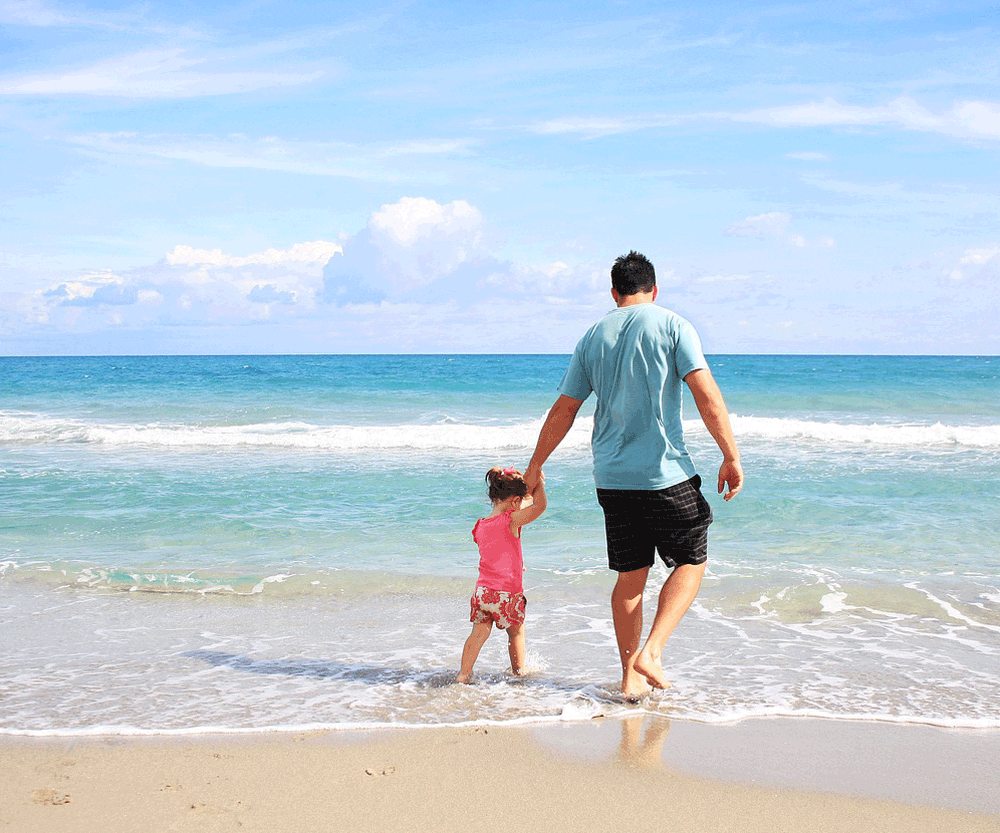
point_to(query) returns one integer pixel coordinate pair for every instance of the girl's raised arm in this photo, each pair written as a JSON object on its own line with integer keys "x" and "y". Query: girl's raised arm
{"x": 522, "y": 517}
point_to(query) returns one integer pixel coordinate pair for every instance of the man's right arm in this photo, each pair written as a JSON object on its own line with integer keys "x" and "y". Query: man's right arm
{"x": 715, "y": 415}
{"x": 560, "y": 419}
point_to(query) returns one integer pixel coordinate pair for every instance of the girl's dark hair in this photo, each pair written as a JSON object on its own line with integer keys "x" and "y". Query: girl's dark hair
{"x": 505, "y": 483}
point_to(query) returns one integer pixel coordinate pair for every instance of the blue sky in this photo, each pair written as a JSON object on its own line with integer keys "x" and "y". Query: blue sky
{"x": 456, "y": 177}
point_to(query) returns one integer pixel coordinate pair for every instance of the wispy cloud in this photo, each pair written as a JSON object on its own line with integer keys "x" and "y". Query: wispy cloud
{"x": 971, "y": 120}
{"x": 384, "y": 162}
{"x": 808, "y": 156}
{"x": 40, "y": 14}
{"x": 965, "y": 119}
{"x": 722, "y": 278}
{"x": 157, "y": 73}
{"x": 596, "y": 127}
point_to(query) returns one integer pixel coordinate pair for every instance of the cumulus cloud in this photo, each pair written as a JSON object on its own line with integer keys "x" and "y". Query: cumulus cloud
{"x": 270, "y": 294}
{"x": 189, "y": 286}
{"x": 318, "y": 251}
{"x": 415, "y": 259}
{"x": 98, "y": 290}
{"x": 408, "y": 249}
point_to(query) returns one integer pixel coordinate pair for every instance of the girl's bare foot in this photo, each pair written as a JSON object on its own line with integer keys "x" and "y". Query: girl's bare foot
{"x": 463, "y": 678}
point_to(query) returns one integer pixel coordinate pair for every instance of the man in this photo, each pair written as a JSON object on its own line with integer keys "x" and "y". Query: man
{"x": 634, "y": 359}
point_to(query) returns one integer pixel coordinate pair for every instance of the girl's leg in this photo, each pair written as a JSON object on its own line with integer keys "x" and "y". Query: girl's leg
{"x": 515, "y": 646}
{"x": 473, "y": 645}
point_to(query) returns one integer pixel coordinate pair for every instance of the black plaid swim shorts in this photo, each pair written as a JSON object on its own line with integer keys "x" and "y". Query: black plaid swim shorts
{"x": 673, "y": 522}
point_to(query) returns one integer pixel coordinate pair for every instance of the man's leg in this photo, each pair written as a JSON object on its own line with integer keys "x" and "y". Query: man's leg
{"x": 626, "y": 611}
{"x": 676, "y": 596}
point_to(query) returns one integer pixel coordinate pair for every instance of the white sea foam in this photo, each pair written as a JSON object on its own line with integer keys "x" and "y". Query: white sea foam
{"x": 447, "y": 434}
{"x": 913, "y": 435}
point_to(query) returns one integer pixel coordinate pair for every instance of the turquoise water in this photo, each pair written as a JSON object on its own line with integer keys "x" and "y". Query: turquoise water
{"x": 245, "y": 542}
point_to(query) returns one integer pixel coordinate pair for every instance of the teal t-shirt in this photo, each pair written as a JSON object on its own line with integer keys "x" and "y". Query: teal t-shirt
{"x": 635, "y": 359}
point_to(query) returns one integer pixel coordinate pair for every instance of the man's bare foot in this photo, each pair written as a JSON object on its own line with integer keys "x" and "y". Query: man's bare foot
{"x": 649, "y": 667}
{"x": 463, "y": 678}
{"x": 634, "y": 685}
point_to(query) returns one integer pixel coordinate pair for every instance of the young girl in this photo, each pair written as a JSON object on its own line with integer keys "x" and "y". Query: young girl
{"x": 499, "y": 595}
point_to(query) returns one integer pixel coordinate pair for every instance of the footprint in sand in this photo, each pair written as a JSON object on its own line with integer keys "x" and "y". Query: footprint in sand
{"x": 376, "y": 773}
{"x": 50, "y": 797}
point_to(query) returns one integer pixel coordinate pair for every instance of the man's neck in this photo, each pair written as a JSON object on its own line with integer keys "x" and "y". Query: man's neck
{"x": 633, "y": 300}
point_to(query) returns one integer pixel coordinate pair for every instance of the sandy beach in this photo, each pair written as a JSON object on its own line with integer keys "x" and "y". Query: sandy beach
{"x": 639, "y": 773}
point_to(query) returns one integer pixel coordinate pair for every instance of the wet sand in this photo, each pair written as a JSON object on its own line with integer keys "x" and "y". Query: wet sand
{"x": 639, "y": 773}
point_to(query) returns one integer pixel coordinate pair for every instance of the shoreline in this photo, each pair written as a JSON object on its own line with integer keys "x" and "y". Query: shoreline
{"x": 766, "y": 774}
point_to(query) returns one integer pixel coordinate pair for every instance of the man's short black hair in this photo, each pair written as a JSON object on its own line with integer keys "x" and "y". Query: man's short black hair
{"x": 633, "y": 273}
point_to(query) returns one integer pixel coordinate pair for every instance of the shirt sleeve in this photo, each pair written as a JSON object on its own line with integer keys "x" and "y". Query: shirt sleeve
{"x": 688, "y": 354}
{"x": 575, "y": 381}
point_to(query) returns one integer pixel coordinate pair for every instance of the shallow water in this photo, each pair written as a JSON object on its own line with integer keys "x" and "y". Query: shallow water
{"x": 192, "y": 543}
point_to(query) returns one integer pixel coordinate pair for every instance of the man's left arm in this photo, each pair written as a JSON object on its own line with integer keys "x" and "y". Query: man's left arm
{"x": 560, "y": 419}
{"x": 715, "y": 415}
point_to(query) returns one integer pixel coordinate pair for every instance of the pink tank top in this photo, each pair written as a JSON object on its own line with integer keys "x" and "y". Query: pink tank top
{"x": 500, "y": 561}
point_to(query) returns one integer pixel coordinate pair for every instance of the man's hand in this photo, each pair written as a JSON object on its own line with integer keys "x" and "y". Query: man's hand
{"x": 532, "y": 477}
{"x": 731, "y": 475}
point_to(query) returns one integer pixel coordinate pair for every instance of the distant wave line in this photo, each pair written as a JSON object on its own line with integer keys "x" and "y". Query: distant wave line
{"x": 936, "y": 434}
{"x": 30, "y": 429}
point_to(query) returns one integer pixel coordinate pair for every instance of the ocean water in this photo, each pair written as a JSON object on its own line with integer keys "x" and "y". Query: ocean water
{"x": 245, "y": 543}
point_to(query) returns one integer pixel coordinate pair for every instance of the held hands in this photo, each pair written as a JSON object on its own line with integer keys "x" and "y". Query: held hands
{"x": 533, "y": 478}
{"x": 731, "y": 475}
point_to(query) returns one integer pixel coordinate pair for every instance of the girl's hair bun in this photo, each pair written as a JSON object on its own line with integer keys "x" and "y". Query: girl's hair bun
{"x": 505, "y": 483}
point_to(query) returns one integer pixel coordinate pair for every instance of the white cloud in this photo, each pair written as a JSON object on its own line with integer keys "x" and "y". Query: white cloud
{"x": 596, "y": 127}
{"x": 722, "y": 278}
{"x": 385, "y": 162}
{"x": 413, "y": 220}
{"x": 965, "y": 119}
{"x": 415, "y": 252}
{"x": 318, "y": 251}
{"x": 973, "y": 258}
{"x": 157, "y": 73}
{"x": 38, "y": 13}
{"x": 771, "y": 224}
{"x": 408, "y": 247}
{"x": 808, "y": 156}
{"x": 188, "y": 286}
